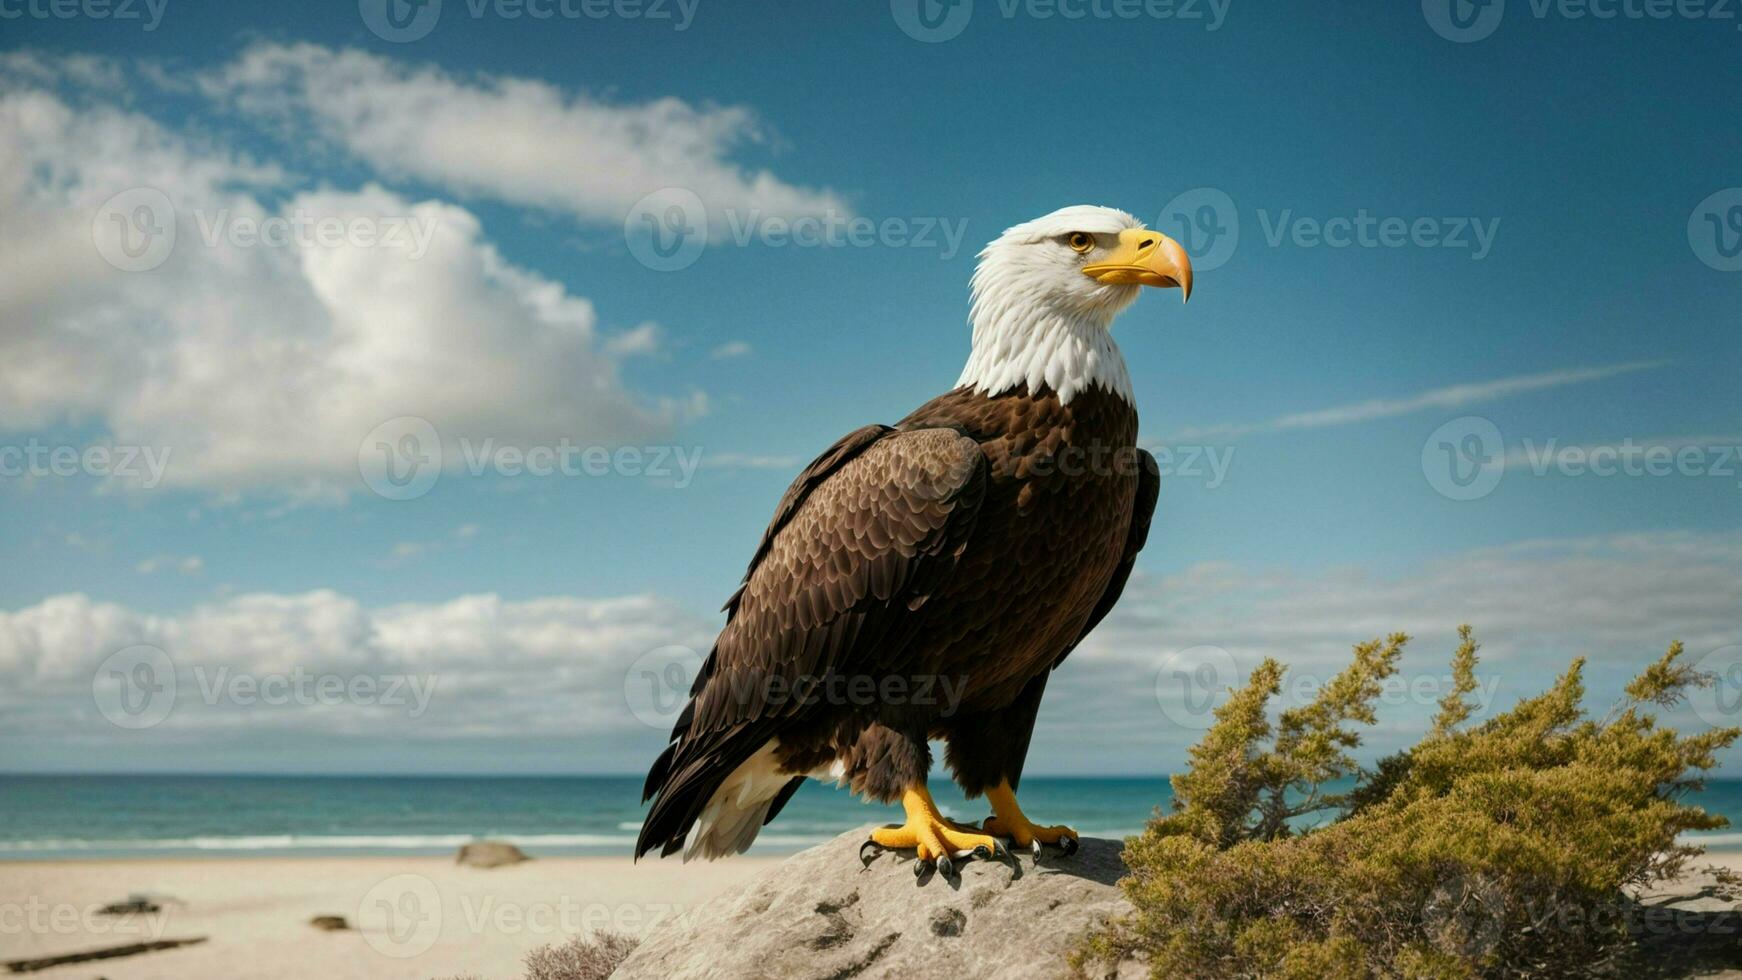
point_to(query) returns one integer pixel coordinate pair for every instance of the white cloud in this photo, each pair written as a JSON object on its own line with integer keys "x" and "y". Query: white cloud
{"x": 1449, "y": 397}
{"x": 642, "y": 339}
{"x": 529, "y": 672}
{"x": 404, "y": 551}
{"x": 87, "y": 71}
{"x": 185, "y": 564}
{"x": 1618, "y": 598}
{"x": 514, "y": 139}
{"x": 266, "y": 364}
{"x": 542, "y": 667}
{"x": 1536, "y": 605}
{"x": 731, "y": 348}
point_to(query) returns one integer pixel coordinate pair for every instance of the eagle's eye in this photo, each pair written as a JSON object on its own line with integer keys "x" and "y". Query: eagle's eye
{"x": 1080, "y": 241}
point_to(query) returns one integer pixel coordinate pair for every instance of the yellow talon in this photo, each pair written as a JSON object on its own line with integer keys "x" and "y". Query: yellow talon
{"x": 929, "y": 833}
{"x": 1008, "y": 821}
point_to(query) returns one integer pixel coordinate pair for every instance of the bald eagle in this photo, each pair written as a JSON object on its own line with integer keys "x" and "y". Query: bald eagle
{"x": 920, "y": 581}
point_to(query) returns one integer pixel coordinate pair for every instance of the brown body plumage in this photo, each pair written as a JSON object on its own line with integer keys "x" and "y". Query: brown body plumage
{"x": 953, "y": 560}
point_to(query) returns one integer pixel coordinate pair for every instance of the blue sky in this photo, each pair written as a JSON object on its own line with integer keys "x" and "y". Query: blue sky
{"x": 1587, "y": 311}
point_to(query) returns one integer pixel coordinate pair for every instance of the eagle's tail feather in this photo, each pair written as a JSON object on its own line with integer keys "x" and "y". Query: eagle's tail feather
{"x": 658, "y": 772}
{"x": 709, "y": 815}
{"x": 732, "y": 816}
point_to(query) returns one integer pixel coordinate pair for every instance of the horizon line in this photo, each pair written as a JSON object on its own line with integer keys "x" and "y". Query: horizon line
{"x": 460, "y": 775}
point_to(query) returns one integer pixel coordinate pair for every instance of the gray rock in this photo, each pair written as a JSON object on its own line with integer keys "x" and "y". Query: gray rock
{"x": 133, "y": 906}
{"x": 489, "y": 854}
{"x": 820, "y": 914}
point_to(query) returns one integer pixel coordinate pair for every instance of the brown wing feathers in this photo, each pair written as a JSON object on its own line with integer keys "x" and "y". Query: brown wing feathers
{"x": 848, "y": 447}
{"x": 864, "y": 534}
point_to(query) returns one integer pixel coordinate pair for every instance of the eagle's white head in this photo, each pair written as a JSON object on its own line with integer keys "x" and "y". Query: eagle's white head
{"x": 1045, "y": 294}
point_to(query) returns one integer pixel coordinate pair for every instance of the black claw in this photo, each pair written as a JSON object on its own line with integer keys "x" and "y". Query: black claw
{"x": 946, "y": 867}
{"x": 874, "y": 848}
{"x": 983, "y": 852}
{"x": 1068, "y": 845}
{"x": 920, "y": 868}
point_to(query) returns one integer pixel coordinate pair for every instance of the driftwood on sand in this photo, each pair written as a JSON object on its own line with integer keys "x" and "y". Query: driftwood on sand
{"x": 104, "y": 953}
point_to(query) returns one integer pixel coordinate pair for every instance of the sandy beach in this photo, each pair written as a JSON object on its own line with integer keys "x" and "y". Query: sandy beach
{"x": 411, "y": 917}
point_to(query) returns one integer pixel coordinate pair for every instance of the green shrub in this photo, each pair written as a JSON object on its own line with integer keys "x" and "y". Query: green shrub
{"x": 1506, "y": 848}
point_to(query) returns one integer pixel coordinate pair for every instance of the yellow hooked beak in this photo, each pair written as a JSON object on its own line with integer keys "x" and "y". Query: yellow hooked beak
{"x": 1144, "y": 258}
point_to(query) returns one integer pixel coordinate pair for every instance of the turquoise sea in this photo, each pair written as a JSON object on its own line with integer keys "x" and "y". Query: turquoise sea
{"x": 103, "y": 816}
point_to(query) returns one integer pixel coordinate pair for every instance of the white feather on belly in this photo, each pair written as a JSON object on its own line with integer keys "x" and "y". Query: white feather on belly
{"x": 835, "y": 772}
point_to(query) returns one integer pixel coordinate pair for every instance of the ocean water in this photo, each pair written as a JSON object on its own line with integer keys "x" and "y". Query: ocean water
{"x": 105, "y": 816}
{"x": 126, "y": 815}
